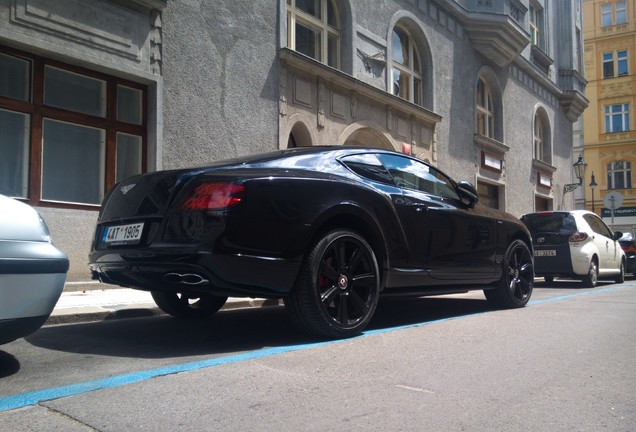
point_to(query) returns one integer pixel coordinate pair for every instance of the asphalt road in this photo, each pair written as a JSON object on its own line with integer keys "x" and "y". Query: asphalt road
{"x": 564, "y": 363}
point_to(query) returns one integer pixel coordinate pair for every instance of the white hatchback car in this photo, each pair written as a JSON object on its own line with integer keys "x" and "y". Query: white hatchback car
{"x": 32, "y": 270}
{"x": 575, "y": 244}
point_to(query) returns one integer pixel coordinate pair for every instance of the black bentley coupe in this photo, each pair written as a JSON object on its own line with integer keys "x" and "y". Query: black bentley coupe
{"x": 329, "y": 230}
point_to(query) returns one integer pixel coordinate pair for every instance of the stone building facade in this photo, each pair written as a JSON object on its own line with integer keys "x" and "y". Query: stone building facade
{"x": 490, "y": 91}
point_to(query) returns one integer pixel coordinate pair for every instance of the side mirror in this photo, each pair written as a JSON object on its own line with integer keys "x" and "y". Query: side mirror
{"x": 617, "y": 235}
{"x": 467, "y": 193}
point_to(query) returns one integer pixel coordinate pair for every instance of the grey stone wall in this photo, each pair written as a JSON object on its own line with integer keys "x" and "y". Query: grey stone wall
{"x": 220, "y": 80}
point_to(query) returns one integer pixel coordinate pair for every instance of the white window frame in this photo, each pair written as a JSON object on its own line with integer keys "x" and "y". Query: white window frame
{"x": 606, "y": 15}
{"x": 535, "y": 22}
{"x": 538, "y": 138}
{"x": 408, "y": 70}
{"x": 621, "y": 56}
{"x": 621, "y": 12}
{"x": 624, "y": 171}
{"x": 608, "y": 59}
{"x": 623, "y": 113}
{"x": 296, "y": 15}
{"x": 487, "y": 110}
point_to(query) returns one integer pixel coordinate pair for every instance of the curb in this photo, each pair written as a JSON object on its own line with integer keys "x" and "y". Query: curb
{"x": 77, "y": 315}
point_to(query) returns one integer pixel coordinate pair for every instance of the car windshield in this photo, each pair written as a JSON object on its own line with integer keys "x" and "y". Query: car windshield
{"x": 555, "y": 223}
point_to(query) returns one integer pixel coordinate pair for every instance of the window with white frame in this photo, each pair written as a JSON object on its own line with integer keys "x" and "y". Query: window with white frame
{"x": 613, "y": 68}
{"x": 621, "y": 63}
{"x": 613, "y": 13}
{"x": 535, "y": 18}
{"x": 313, "y": 30}
{"x": 616, "y": 118}
{"x": 538, "y": 138}
{"x": 66, "y": 133}
{"x": 621, "y": 12}
{"x": 606, "y": 15}
{"x": 608, "y": 65}
{"x": 406, "y": 68}
{"x": 485, "y": 109}
{"x": 619, "y": 175}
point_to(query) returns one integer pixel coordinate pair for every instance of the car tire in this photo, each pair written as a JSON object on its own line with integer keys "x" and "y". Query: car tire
{"x": 188, "y": 306}
{"x": 591, "y": 278}
{"x": 517, "y": 280}
{"x": 621, "y": 276}
{"x": 338, "y": 287}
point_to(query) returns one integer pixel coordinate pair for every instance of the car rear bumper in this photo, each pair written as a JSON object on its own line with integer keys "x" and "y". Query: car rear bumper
{"x": 26, "y": 301}
{"x": 230, "y": 275}
{"x": 13, "y": 329}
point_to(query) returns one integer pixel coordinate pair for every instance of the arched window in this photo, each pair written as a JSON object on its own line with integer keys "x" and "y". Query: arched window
{"x": 406, "y": 68}
{"x": 538, "y": 138}
{"x": 313, "y": 30}
{"x": 542, "y": 137}
{"x": 619, "y": 175}
{"x": 485, "y": 109}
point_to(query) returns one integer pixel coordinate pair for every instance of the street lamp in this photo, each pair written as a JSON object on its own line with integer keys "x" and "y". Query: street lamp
{"x": 579, "y": 171}
{"x": 593, "y": 185}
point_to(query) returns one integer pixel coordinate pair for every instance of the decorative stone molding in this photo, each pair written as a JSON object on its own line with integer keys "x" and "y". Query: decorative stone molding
{"x": 155, "y": 42}
{"x": 321, "y": 103}
{"x": 99, "y": 25}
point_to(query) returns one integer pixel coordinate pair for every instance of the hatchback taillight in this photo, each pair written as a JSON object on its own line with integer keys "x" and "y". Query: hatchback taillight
{"x": 629, "y": 248}
{"x": 578, "y": 237}
{"x": 213, "y": 196}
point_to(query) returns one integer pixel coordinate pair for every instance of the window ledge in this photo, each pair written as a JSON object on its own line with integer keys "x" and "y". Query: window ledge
{"x": 543, "y": 166}
{"x": 491, "y": 145}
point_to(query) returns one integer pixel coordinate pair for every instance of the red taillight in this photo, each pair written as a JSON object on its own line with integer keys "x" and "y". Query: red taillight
{"x": 578, "y": 237}
{"x": 629, "y": 248}
{"x": 213, "y": 196}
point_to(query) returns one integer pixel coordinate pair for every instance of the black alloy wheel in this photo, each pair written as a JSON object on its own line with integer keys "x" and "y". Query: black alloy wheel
{"x": 338, "y": 288}
{"x": 188, "y": 306}
{"x": 517, "y": 281}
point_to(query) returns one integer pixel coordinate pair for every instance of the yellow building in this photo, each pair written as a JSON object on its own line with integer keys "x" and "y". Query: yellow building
{"x": 609, "y": 126}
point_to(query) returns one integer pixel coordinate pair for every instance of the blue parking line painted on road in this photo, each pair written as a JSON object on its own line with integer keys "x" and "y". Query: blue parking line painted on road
{"x": 580, "y": 294}
{"x": 32, "y": 398}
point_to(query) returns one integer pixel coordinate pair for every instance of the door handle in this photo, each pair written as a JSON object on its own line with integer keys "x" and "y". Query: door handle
{"x": 419, "y": 207}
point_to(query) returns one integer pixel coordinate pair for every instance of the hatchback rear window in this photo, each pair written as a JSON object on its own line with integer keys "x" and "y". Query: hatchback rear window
{"x": 553, "y": 223}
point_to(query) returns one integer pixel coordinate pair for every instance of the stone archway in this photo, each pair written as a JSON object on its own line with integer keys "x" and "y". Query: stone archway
{"x": 368, "y": 137}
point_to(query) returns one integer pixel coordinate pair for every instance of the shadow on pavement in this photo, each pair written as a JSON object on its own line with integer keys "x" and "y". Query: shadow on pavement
{"x": 9, "y": 365}
{"x": 232, "y": 331}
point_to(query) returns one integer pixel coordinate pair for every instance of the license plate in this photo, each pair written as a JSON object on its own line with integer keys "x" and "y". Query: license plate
{"x": 548, "y": 252}
{"x": 123, "y": 234}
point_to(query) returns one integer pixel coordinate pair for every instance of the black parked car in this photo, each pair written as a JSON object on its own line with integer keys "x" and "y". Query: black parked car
{"x": 628, "y": 244}
{"x": 327, "y": 229}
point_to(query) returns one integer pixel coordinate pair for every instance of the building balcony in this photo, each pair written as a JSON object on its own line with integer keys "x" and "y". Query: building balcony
{"x": 573, "y": 98}
{"x": 499, "y": 38}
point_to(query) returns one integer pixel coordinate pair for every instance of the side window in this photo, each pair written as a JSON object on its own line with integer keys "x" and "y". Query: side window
{"x": 412, "y": 174}
{"x": 598, "y": 226}
{"x": 368, "y": 165}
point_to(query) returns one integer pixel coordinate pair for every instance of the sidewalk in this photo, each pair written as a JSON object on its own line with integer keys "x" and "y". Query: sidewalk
{"x": 98, "y": 304}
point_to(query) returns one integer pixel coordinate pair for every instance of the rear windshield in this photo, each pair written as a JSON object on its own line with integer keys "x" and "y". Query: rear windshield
{"x": 553, "y": 223}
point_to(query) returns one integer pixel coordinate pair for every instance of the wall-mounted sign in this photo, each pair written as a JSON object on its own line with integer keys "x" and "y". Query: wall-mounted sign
{"x": 491, "y": 162}
{"x": 544, "y": 180}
